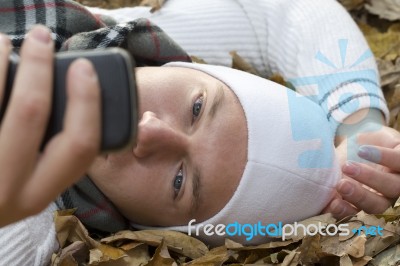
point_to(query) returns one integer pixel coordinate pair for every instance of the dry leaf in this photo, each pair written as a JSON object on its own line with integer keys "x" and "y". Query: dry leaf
{"x": 251, "y": 257}
{"x": 72, "y": 254}
{"x": 394, "y": 119}
{"x": 367, "y": 29}
{"x": 368, "y": 219}
{"x": 214, "y": 257}
{"x": 275, "y": 257}
{"x": 361, "y": 261}
{"x": 241, "y": 64}
{"x": 310, "y": 249}
{"x": 230, "y": 244}
{"x": 139, "y": 236}
{"x": 176, "y": 241}
{"x": 352, "y": 4}
{"x": 197, "y": 60}
{"x": 397, "y": 203}
{"x": 374, "y": 245}
{"x": 292, "y": 259}
{"x": 154, "y": 4}
{"x": 352, "y": 225}
{"x": 162, "y": 257}
{"x": 131, "y": 245}
{"x": 387, "y": 9}
{"x": 67, "y": 260}
{"x": 388, "y": 257}
{"x": 395, "y": 99}
{"x": 70, "y": 229}
{"x": 136, "y": 256}
{"x": 385, "y": 45}
{"x": 389, "y": 72}
{"x": 332, "y": 246}
{"x": 278, "y": 79}
{"x": 345, "y": 261}
{"x": 253, "y": 254}
{"x": 105, "y": 253}
{"x": 377, "y": 244}
{"x": 357, "y": 247}
{"x": 391, "y": 214}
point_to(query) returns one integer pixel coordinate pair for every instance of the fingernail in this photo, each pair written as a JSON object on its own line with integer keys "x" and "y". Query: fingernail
{"x": 85, "y": 68}
{"x": 346, "y": 188}
{"x": 369, "y": 153}
{"x": 41, "y": 34}
{"x": 351, "y": 168}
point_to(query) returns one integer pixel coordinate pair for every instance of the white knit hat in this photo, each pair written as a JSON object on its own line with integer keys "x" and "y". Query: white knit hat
{"x": 291, "y": 168}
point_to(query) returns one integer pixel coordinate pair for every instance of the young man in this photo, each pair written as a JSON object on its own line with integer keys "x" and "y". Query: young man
{"x": 183, "y": 140}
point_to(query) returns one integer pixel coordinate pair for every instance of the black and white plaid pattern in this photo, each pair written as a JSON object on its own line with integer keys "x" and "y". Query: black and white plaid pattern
{"x": 75, "y": 28}
{"x": 64, "y": 18}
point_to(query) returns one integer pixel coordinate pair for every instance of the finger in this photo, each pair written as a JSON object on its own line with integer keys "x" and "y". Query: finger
{"x": 388, "y": 184}
{"x": 380, "y": 155}
{"x": 70, "y": 153}
{"x": 340, "y": 208}
{"x": 5, "y": 48}
{"x": 362, "y": 198}
{"x": 27, "y": 113}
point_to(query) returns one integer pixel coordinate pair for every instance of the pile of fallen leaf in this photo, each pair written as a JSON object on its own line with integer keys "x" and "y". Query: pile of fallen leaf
{"x": 162, "y": 247}
{"x": 380, "y": 22}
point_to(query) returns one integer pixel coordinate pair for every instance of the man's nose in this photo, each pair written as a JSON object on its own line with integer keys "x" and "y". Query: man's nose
{"x": 156, "y": 136}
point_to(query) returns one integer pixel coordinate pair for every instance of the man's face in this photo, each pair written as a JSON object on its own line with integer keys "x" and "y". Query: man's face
{"x": 190, "y": 152}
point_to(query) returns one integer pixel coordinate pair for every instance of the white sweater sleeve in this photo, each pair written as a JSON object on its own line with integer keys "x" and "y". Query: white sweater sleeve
{"x": 318, "y": 48}
{"x": 29, "y": 242}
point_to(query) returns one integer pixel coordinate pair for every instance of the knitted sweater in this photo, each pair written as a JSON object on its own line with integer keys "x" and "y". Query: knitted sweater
{"x": 29, "y": 242}
{"x": 313, "y": 44}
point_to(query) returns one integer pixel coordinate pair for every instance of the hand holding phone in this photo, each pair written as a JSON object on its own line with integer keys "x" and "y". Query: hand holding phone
{"x": 31, "y": 179}
{"x": 118, "y": 94}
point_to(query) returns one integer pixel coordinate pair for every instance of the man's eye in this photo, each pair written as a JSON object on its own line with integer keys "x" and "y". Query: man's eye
{"x": 178, "y": 182}
{"x": 198, "y": 104}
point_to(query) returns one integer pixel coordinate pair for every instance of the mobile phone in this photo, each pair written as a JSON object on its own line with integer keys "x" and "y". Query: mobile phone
{"x": 114, "y": 68}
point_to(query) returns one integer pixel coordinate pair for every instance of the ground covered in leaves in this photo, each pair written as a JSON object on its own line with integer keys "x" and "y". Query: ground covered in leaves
{"x": 380, "y": 22}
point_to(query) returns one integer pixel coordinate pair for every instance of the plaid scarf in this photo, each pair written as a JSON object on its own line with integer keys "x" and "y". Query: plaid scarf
{"x": 75, "y": 28}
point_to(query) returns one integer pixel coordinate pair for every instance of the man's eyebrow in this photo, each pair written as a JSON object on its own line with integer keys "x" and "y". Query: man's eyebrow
{"x": 196, "y": 187}
{"x": 218, "y": 99}
{"x": 196, "y": 180}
